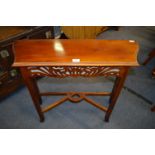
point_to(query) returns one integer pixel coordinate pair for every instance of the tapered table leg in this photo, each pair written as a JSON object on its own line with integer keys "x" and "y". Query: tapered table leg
{"x": 33, "y": 90}
{"x": 116, "y": 91}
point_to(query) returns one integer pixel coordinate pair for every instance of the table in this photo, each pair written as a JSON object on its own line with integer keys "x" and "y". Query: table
{"x": 74, "y": 58}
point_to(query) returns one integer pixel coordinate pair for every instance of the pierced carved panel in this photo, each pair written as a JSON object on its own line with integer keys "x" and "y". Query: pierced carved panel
{"x": 73, "y": 71}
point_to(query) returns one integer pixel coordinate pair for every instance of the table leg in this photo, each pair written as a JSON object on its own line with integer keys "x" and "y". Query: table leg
{"x": 33, "y": 90}
{"x": 116, "y": 91}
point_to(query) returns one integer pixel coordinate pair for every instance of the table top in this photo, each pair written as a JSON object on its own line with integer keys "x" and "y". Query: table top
{"x": 75, "y": 52}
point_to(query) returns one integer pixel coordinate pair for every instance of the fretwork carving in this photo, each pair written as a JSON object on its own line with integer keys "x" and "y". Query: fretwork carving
{"x": 73, "y": 71}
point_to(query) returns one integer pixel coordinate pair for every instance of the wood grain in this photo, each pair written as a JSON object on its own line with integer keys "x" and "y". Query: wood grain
{"x": 90, "y": 52}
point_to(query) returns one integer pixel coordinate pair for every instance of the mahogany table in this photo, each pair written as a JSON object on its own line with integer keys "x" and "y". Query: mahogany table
{"x": 74, "y": 58}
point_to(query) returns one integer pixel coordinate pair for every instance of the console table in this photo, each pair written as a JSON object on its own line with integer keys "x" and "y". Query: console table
{"x": 73, "y": 58}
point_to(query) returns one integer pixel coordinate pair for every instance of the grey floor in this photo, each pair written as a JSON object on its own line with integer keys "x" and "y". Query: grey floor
{"x": 131, "y": 111}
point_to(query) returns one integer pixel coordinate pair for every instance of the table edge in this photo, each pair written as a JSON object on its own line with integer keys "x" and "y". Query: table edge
{"x": 18, "y": 64}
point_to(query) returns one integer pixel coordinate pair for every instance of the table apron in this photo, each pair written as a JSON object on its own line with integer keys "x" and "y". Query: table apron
{"x": 73, "y": 71}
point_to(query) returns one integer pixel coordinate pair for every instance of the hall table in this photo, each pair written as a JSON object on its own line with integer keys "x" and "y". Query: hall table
{"x": 74, "y": 58}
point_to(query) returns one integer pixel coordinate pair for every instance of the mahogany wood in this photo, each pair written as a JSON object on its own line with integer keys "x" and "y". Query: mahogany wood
{"x": 33, "y": 90}
{"x": 116, "y": 91}
{"x": 73, "y": 71}
{"x": 85, "y": 93}
{"x": 53, "y": 58}
{"x": 90, "y": 52}
{"x": 97, "y": 105}
{"x": 53, "y": 105}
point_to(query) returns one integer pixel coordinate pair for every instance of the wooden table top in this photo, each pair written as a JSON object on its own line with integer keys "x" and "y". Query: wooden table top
{"x": 70, "y": 52}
